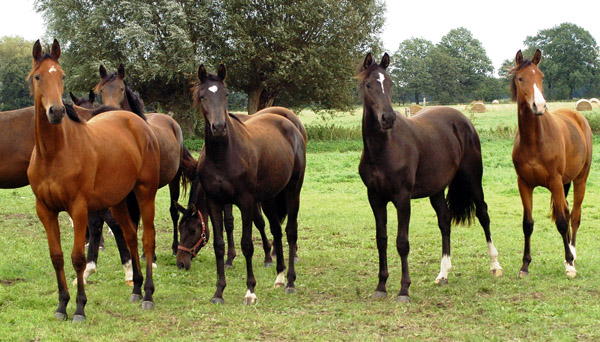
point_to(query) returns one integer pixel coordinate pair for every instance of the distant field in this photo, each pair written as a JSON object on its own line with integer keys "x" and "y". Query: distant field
{"x": 337, "y": 272}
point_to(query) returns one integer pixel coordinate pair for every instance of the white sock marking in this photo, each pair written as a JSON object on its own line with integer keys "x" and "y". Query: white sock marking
{"x": 380, "y": 80}
{"x": 252, "y": 296}
{"x": 90, "y": 268}
{"x": 71, "y": 220}
{"x": 572, "y": 248}
{"x": 493, "y": 253}
{"x": 445, "y": 267}
{"x": 213, "y": 89}
{"x": 280, "y": 280}
{"x": 128, "y": 267}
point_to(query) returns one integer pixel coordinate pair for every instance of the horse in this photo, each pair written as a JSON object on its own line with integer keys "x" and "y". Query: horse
{"x": 551, "y": 149}
{"x": 176, "y": 165}
{"x": 405, "y": 158}
{"x": 76, "y": 166}
{"x": 87, "y": 103}
{"x": 261, "y": 160}
{"x": 194, "y": 221}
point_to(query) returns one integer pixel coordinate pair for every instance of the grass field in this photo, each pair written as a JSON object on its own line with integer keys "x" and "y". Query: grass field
{"x": 337, "y": 272}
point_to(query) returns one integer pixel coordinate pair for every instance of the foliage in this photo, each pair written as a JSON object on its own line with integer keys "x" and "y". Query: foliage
{"x": 15, "y": 63}
{"x": 409, "y": 70}
{"x": 445, "y": 72}
{"x": 570, "y": 60}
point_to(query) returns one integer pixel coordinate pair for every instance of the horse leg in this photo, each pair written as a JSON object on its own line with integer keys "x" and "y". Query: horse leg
{"x": 270, "y": 210}
{"x": 216, "y": 217}
{"x": 146, "y": 203}
{"x": 121, "y": 245}
{"x": 561, "y": 216}
{"x": 246, "y": 205}
{"x": 228, "y": 221}
{"x": 50, "y": 221}
{"x": 526, "y": 193}
{"x": 93, "y": 232}
{"x": 402, "y": 204}
{"x": 259, "y": 222}
{"x": 379, "y": 211}
{"x": 292, "y": 198}
{"x": 79, "y": 214}
{"x": 121, "y": 214}
{"x": 174, "y": 193}
{"x": 578, "y": 194}
{"x": 438, "y": 202}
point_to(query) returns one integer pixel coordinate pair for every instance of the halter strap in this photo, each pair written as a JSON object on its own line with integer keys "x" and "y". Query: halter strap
{"x": 201, "y": 242}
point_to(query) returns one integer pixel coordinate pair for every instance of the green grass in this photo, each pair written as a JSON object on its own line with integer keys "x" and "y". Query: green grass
{"x": 337, "y": 272}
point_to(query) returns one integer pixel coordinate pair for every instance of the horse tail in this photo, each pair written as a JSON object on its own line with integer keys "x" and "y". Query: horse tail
{"x": 133, "y": 208}
{"x": 281, "y": 206}
{"x": 460, "y": 200}
{"x": 187, "y": 168}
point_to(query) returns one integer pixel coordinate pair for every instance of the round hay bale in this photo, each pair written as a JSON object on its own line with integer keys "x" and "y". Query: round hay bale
{"x": 495, "y": 102}
{"x": 478, "y": 108}
{"x": 583, "y": 105}
{"x": 595, "y": 101}
{"x": 414, "y": 109}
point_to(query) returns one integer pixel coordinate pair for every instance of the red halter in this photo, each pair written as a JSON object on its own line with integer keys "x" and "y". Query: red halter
{"x": 201, "y": 243}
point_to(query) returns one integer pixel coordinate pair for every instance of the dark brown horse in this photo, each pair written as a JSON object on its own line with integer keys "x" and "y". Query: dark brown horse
{"x": 261, "y": 160}
{"x": 87, "y": 103}
{"x": 553, "y": 150}
{"x": 110, "y": 161}
{"x": 405, "y": 158}
{"x": 194, "y": 222}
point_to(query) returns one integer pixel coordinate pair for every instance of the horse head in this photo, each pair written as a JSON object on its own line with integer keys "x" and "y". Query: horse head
{"x": 193, "y": 232}
{"x": 46, "y": 79}
{"x": 527, "y": 82}
{"x": 87, "y": 103}
{"x": 112, "y": 87}
{"x": 376, "y": 90}
{"x": 210, "y": 93}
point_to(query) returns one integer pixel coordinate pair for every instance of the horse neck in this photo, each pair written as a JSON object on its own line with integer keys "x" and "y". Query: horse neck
{"x": 216, "y": 148}
{"x": 374, "y": 139}
{"x": 530, "y": 126}
{"x": 48, "y": 137}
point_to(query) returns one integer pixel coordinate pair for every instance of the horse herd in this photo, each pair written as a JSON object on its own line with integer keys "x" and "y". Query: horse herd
{"x": 116, "y": 156}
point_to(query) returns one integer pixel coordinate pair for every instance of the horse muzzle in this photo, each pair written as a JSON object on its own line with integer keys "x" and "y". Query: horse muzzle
{"x": 55, "y": 114}
{"x": 387, "y": 120}
{"x": 219, "y": 129}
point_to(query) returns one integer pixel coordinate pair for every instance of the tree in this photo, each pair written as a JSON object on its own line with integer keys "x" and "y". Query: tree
{"x": 570, "y": 59}
{"x": 470, "y": 58}
{"x": 409, "y": 68}
{"x": 445, "y": 73}
{"x": 300, "y": 52}
{"x": 15, "y": 63}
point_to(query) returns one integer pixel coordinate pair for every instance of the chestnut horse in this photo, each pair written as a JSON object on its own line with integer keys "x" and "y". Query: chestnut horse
{"x": 261, "y": 160}
{"x": 553, "y": 150}
{"x": 405, "y": 158}
{"x": 76, "y": 166}
{"x": 194, "y": 222}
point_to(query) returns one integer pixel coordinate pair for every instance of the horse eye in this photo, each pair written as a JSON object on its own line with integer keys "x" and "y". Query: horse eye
{"x": 520, "y": 79}
{"x": 201, "y": 97}
{"x": 368, "y": 86}
{"x": 37, "y": 77}
{"x": 64, "y": 76}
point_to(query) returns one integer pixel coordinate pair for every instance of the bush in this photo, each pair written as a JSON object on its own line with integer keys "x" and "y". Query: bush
{"x": 327, "y": 132}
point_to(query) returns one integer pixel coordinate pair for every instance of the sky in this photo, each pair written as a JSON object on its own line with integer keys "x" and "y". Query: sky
{"x": 500, "y": 26}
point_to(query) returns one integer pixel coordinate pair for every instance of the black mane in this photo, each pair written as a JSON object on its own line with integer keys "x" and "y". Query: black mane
{"x": 72, "y": 113}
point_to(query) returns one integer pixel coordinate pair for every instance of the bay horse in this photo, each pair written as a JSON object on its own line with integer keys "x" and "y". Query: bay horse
{"x": 177, "y": 165}
{"x": 194, "y": 222}
{"x": 76, "y": 166}
{"x": 551, "y": 149}
{"x": 261, "y": 160}
{"x": 87, "y": 103}
{"x": 405, "y": 158}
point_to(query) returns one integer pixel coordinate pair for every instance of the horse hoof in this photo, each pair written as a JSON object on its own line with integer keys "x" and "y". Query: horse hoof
{"x": 441, "y": 281}
{"x": 290, "y": 290}
{"x": 268, "y": 263}
{"x": 379, "y": 295}
{"x": 279, "y": 285}
{"x": 147, "y": 305}
{"x": 296, "y": 260}
{"x": 60, "y": 316}
{"x": 228, "y": 267}
{"x": 78, "y": 318}
{"x": 216, "y": 300}
{"x": 250, "y": 300}
{"x": 129, "y": 282}
{"x": 497, "y": 273}
{"x": 135, "y": 297}
{"x": 571, "y": 274}
{"x": 154, "y": 265}
{"x": 523, "y": 274}
{"x": 403, "y": 299}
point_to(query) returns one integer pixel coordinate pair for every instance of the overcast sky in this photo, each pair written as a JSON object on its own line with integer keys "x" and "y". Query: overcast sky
{"x": 501, "y": 26}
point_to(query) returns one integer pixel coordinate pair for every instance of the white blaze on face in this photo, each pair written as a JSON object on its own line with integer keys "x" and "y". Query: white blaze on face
{"x": 52, "y": 69}
{"x": 213, "y": 89}
{"x": 380, "y": 80}
{"x": 538, "y": 99}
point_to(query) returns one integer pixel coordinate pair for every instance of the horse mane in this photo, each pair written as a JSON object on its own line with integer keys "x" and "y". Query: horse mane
{"x": 235, "y": 118}
{"x": 196, "y": 87}
{"x": 72, "y": 113}
{"x": 102, "y": 109}
{"x": 513, "y": 81}
{"x": 363, "y": 72}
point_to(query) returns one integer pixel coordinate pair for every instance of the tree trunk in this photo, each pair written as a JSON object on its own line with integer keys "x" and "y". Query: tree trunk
{"x": 266, "y": 99}
{"x": 416, "y": 98}
{"x": 570, "y": 93}
{"x": 254, "y": 99}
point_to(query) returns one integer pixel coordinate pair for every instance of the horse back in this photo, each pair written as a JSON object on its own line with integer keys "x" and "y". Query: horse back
{"x": 288, "y": 114}
{"x": 170, "y": 140}
{"x": 577, "y": 137}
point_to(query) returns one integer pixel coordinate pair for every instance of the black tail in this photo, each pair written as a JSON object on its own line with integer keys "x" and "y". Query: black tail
{"x": 187, "y": 168}
{"x": 133, "y": 208}
{"x": 460, "y": 200}
{"x": 281, "y": 206}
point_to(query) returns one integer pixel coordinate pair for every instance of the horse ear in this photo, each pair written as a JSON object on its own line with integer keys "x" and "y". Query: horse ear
{"x": 537, "y": 57}
{"x": 202, "y": 73}
{"x": 368, "y": 61}
{"x": 102, "y": 71}
{"x": 55, "y": 50}
{"x": 518, "y": 58}
{"x": 37, "y": 50}
{"x": 73, "y": 97}
{"x": 91, "y": 96}
{"x": 385, "y": 61}
{"x": 179, "y": 207}
{"x": 121, "y": 71}
{"x": 222, "y": 72}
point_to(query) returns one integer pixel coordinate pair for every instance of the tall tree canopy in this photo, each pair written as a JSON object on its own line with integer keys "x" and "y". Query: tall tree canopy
{"x": 15, "y": 63}
{"x": 410, "y": 66}
{"x": 301, "y": 52}
{"x": 569, "y": 59}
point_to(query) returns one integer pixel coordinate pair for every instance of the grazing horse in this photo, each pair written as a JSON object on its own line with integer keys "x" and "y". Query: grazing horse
{"x": 553, "y": 150}
{"x": 405, "y": 158}
{"x": 261, "y": 160}
{"x": 194, "y": 234}
{"x": 76, "y": 166}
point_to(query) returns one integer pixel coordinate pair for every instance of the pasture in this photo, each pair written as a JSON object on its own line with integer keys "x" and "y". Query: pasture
{"x": 337, "y": 272}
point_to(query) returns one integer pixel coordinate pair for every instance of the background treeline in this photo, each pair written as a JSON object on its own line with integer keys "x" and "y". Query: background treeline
{"x": 294, "y": 54}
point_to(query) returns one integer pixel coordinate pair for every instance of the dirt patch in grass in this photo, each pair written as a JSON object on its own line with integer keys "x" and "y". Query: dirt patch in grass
{"x": 11, "y": 281}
